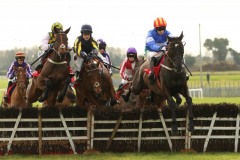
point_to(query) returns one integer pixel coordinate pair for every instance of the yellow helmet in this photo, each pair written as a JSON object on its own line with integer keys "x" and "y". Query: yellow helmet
{"x": 57, "y": 25}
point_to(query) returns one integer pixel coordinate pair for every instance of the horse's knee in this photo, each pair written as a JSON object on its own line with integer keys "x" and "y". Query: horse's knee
{"x": 171, "y": 102}
{"x": 189, "y": 101}
{"x": 48, "y": 83}
{"x": 179, "y": 100}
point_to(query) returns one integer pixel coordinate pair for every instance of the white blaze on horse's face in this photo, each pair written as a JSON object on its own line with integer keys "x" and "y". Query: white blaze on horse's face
{"x": 62, "y": 46}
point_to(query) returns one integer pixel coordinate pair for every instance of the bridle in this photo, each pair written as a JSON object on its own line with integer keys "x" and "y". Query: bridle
{"x": 60, "y": 50}
{"x": 175, "y": 67}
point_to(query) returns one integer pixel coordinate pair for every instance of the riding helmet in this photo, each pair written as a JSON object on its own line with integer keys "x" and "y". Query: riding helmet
{"x": 86, "y": 28}
{"x": 101, "y": 44}
{"x": 159, "y": 22}
{"x": 57, "y": 25}
{"x": 20, "y": 54}
{"x": 132, "y": 52}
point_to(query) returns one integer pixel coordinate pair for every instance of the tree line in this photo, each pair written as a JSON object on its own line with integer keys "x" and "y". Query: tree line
{"x": 217, "y": 48}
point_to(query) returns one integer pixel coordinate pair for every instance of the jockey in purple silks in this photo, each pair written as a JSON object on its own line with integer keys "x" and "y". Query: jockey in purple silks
{"x": 106, "y": 58}
{"x": 11, "y": 75}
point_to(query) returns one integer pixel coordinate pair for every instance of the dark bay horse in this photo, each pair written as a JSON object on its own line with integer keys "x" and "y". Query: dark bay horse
{"x": 18, "y": 96}
{"x": 171, "y": 80}
{"x": 96, "y": 86}
{"x": 52, "y": 83}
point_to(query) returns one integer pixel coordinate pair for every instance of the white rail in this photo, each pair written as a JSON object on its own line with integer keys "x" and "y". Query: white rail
{"x": 196, "y": 93}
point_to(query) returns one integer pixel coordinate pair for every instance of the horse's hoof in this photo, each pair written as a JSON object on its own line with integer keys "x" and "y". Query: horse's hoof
{"x": 59, "y": 99}
{"x": 41, "y": 99}
{"x": 125, "y": 98}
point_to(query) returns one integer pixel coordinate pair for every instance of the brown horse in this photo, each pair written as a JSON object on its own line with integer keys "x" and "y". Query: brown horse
{"x": 96, "y": 87}
{"x": 68, "y": 101}
{"x": 52, "y": 83}
{"x": 18, "y": 96}
{"x": 171, "y": 81}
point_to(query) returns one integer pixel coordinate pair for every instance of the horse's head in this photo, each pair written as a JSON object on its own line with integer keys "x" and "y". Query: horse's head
{"x": 94, "y": 74}
{"x": 175, "y": 52}
{"x": 61, "y": 44}
{"x": 21, "y": 79}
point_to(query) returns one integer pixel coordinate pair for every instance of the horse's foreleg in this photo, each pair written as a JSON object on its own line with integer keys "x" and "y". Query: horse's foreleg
{"x": 172, "y": 106}
{"x": 60, "y": 97}
{"x": 190, "y": 112}
{"x": 44, "y": 96}
{"x": 178, "y": 99}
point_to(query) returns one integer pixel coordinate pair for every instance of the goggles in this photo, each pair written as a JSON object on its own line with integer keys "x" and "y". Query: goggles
{"x": 162, "y": 28}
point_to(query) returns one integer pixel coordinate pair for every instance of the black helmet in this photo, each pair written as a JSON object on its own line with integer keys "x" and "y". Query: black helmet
{"x": 86, "y": 28}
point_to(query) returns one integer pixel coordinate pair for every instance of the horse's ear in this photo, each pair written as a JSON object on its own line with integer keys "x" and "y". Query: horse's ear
{"x": 169, "y": 39}
{"x": 181, "y": 36}
{"x": 67, "y": 30}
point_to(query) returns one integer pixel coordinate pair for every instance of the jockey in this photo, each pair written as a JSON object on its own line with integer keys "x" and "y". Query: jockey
{"x": 19, "y": 62}
{"x": 84, "y": 45}
{"x": 47, "y": 45}
{"x": 102, "y": 49}
{"x": 127, "y": 68}
{"x": 156, "y": 41}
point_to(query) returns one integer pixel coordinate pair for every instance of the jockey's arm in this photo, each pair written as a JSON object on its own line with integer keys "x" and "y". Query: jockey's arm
{"x": 122, "y": 70}
{"x": 44, "y": 43}
{"x": 29, "y": 72}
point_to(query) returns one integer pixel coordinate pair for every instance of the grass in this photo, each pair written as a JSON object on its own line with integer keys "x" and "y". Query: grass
{"x": 131, "y": 156}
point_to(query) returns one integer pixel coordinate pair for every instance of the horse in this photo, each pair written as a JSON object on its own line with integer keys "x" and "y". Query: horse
{"x": 171, "y": 80}
{"x": 68, "y": 101}
{"x": 18, "y": 89}
{"x": 52, "y": 83}
{"x": 95, "y": 89}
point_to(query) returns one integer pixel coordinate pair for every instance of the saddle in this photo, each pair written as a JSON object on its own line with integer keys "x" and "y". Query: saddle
{"x": 10, "y": 91}
{"x": 156, "y": 68}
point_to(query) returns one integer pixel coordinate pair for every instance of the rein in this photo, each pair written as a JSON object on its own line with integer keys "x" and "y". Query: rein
{"x": 54, "y": 62}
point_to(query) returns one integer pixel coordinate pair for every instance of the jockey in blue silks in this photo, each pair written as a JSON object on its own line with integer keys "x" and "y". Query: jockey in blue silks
{"x": 156, "y": 41}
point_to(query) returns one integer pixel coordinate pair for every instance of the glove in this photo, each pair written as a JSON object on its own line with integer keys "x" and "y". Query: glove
{"x": 128, "y": 78}
{"x": 14, "y": 79}
{"x": 51, "y": 45}
{"x": 94, "y": 52}
{"x": 83, "y": 55}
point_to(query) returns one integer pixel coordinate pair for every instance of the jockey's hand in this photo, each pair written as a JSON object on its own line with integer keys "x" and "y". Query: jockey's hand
{"x": 51, "y": 45}
{"x": 83, "y": 55}
{"x": 128, "y": 78}
{"x": 14, "y": 79}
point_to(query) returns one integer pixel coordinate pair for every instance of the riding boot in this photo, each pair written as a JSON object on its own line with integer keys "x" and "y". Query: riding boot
{"x": 78, "y": 78}
{"x": 119, "y": 91}
{"x": 6, "y": 96}
{"x": 68, "y": 59}
{"x": 151, "y": 76}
